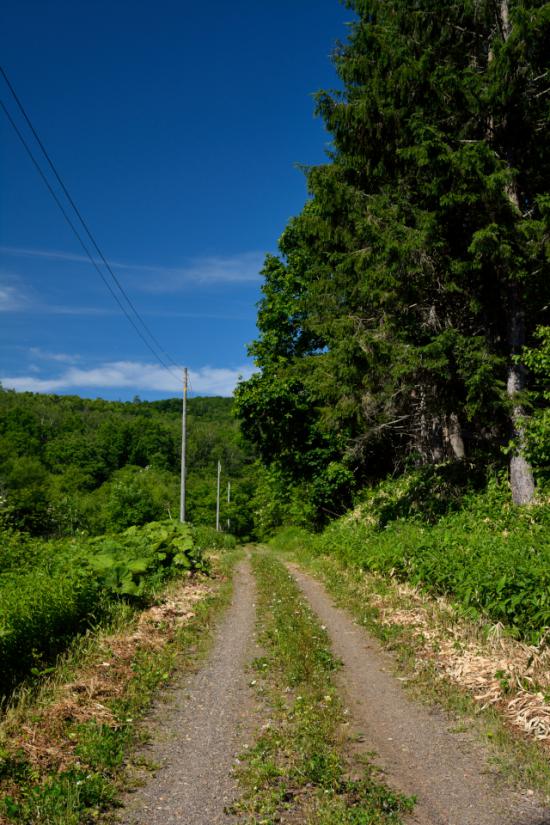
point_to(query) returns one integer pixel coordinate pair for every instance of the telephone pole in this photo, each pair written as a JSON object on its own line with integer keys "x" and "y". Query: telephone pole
{"x": 183, "y": 445}
{"x": 218, "y": 497}
{"x": 228, "y": 502}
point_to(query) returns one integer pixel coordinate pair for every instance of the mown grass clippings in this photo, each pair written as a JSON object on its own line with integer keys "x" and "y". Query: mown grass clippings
{"x": 435, "y": 650}
{"x": 300, "y": 770}
{"x": 64, "y": 749}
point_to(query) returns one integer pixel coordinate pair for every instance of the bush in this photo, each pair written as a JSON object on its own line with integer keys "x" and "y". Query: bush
{"x": 50, "y": 591}
{"x": 490, "y": 557}
{"x": 207, "y": 538}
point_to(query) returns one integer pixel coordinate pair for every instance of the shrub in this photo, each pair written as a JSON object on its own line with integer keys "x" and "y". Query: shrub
{"x": 50, "y": 591}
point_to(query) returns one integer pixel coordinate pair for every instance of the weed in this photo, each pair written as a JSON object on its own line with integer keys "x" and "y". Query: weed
{"x": 79, "y": 775}
{"x": 299, "y": 763}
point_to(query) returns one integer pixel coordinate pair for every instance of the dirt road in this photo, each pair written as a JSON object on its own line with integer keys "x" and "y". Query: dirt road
{"x": 447, "y": 772}
{"x": 198, "y": 735}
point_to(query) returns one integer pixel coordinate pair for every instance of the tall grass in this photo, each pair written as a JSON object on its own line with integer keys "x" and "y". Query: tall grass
{"x": 51, "y": 591}
{"x": 491, "y": 558}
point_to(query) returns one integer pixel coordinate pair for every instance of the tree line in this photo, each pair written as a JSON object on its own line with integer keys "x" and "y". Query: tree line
{"x": 404, "y": 322}
{"x": 70, "y": 464}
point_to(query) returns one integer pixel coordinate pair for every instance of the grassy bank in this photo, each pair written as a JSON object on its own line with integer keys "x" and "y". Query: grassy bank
{"x": 50, "y": 591}
{"x": 65, "y": 742}
{"x": 298, "y": 769}
{"x": 490, "y": 558}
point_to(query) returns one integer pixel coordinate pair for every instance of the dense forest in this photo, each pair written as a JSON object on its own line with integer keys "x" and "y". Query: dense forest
{"x": 404, "y": 324}
{"x": 70, "y": 465}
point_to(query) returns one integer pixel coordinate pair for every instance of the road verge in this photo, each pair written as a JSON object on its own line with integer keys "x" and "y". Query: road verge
{"x": 64, "y": 744}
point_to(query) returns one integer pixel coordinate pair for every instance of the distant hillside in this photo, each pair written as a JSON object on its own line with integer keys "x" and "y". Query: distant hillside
{"x": 69, "y": 464}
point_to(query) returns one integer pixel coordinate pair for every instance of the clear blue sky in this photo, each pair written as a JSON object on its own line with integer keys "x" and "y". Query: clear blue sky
{"x": 177, "y": 127}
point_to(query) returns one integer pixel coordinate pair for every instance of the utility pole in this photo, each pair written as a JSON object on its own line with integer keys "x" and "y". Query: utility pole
{"x": 183, "y": 445}
{"x": 218, "y": 497}
{"x": 228, "y": 502}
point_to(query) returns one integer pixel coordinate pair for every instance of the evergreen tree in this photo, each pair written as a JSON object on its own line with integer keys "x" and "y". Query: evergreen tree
{"x": 419, "y": 268}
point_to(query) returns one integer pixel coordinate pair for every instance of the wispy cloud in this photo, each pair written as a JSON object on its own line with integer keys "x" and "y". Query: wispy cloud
{"x": 49, "y": 254}
{"x": 11, "y": 299}
{"x": 61, "y": 357}
{"x": 18, "y": 296}
{"x": 242, "y": 267}
{"x": 133, "y": 375}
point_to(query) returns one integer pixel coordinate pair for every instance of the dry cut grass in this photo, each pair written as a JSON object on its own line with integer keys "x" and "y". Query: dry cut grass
{"x": 40, "y": 728}
{"x": 495, "y": 669}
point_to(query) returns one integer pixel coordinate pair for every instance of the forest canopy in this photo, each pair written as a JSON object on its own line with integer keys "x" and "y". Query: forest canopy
{"x": 70, "y": 464}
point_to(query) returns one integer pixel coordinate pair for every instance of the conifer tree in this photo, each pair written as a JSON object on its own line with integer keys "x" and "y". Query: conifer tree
{"x": 409, "y": 284}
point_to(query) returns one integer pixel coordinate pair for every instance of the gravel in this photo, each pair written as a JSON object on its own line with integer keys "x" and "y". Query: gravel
{"x": 197, "y": 737}
{"x": 414, "y": 744}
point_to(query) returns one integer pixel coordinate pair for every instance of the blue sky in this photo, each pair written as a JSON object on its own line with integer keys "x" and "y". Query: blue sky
{"x": 177, "y": 127}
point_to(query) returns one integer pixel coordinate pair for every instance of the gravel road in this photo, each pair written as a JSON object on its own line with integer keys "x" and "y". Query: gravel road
{"x": 414, "y": 745}
{"x": 197, "y": 736}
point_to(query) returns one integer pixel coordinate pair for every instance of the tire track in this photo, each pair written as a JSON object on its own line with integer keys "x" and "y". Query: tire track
{"x": 197, "y": 737}
{"x": 414, "y": 746}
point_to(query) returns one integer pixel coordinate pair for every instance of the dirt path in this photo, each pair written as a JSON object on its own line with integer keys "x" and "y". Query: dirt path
{"x": 199, "y": 733}
{"x": 414, "y": 745}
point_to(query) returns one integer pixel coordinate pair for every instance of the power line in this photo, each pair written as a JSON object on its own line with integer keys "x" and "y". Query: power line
{"x": 86, "y": 229}
{"x": 79, "y": 237}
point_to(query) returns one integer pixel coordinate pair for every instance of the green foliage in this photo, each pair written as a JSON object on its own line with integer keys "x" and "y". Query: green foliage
{"x": 50, "y": 591}
{"x": 135, "y": 496}
{"x": 208, "y": 538}
{"x": 537, "y": 360}
{"x": 424, "y": 494}
{"x": 419, "y": 266}
{"x": 69, "y": 464}
{"x": 62, "y": 799}
{"x": 491, "y": 560}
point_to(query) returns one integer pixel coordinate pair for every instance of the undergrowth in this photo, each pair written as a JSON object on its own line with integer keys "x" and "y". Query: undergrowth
{"x": 489, "y": 556}
{"x": 51, "y": 591}
{"x": 298, "y": 767}
{"x": 86, "y": 785}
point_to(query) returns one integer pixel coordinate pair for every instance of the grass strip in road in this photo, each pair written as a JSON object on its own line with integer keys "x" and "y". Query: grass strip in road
{"x": 384, "y": 608}
{"x": 65, "y": 746}
{"x": 298, "y": 771}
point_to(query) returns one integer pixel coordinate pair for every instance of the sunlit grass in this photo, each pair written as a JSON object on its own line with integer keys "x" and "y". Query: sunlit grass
{"x": 300, "y": 763}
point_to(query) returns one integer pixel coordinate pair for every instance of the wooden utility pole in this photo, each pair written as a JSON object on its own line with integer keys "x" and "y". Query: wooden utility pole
{"x": 218, "y": 497}
{"x": 183, "y": 445}
{"x": 228, "y": 502}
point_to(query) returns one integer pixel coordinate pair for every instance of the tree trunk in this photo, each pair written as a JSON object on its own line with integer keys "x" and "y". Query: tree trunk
{"x": 454, "y": 436}
{"x": 521, "y": 473}
{"x": 430, "y": 431}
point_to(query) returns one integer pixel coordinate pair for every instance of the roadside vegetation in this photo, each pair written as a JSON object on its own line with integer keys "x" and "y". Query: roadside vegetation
{"x": 300, "y": 769}
{"x": 460, "y": 592}
{"x": 480, "y": 551}
{"x": 51, "y": 591}
{"x": 66, "y": 740}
